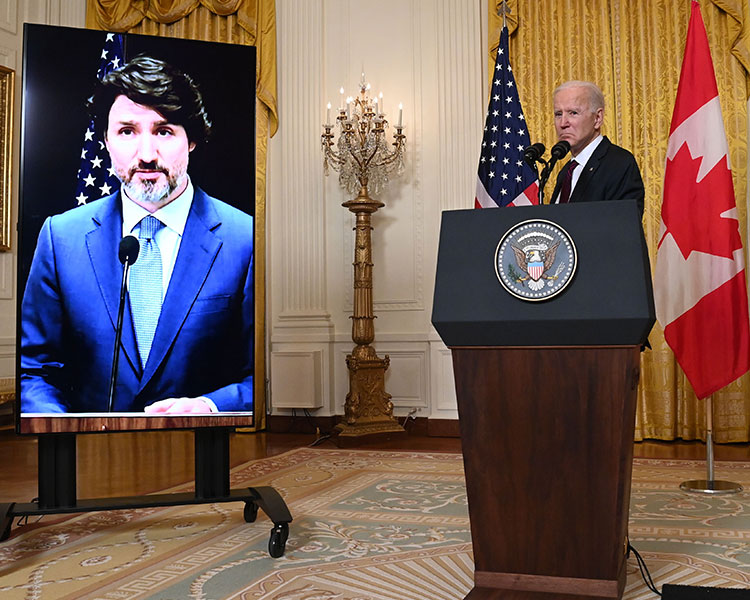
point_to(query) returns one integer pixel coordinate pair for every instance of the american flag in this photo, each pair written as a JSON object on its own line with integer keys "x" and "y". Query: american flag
{"x": 504, "y": 179}
{"x": 96, "y": 178}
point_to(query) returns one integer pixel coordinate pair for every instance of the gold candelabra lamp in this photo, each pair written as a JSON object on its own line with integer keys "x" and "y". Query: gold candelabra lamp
{"x": 364, "y": 161}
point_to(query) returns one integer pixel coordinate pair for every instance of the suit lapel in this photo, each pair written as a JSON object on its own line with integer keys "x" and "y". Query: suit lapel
{"x": 102, "y": 243}
{"x": 558, "y": 183}
{"x": 579, "y": 193}
{"x": 198, "y": 250}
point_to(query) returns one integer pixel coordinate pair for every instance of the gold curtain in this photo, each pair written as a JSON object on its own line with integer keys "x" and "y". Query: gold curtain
{"x": 249, "y": 22}
{"x": 634, "y": 51}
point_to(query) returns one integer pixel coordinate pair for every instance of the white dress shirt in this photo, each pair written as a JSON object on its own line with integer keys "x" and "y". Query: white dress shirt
{"x": 174, "y": 216}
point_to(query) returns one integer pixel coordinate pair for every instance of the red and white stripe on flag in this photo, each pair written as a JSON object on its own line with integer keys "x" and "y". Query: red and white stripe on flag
{"x": 699, "y": 280}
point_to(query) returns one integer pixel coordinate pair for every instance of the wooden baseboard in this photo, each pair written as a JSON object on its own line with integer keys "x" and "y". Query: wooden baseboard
{"x": 7, "y": 414}
{"x": 421, "y": 426}
{"x": 300, "y": 424}
{"x": 443, "y": 428}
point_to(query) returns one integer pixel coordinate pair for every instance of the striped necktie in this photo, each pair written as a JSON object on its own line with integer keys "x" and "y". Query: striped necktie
{"x": 145, "y": 287}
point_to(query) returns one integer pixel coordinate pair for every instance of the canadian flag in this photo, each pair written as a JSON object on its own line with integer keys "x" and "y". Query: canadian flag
{"x": 699, "y": 280}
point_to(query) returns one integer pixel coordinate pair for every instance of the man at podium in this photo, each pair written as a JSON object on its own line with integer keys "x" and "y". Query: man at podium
{"x": 599, "y": 169}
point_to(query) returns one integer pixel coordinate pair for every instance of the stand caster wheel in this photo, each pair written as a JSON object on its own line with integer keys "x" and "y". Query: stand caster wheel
{"x": 277, "y": 542}
{"x": 251, "y": 512}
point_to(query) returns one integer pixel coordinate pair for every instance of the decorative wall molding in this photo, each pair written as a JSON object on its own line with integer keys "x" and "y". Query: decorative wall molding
{"x": 9, "y": 58}
{"x": 69, "y": 13}
{"x": 461, "y": 107}
{"x": 7, "y": 275}
{"x": 7, "y": 356}
{"x": 9, "y": 16}
{"x": 443, "y": 383}
{"x": 301, "y": 265}
{"x": 406, "y": 380}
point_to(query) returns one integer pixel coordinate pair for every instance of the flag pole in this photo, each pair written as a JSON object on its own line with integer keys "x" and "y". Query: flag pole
{"x": 710, "y": 485}
{"x": 503, "y": 9}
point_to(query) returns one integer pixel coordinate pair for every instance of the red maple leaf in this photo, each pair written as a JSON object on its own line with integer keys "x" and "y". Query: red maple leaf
{"x": 691, "y": 210}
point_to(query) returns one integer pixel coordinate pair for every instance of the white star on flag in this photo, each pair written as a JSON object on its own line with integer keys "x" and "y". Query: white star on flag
{"x": 96, "y": 172}
{"x": 504, "y": 141}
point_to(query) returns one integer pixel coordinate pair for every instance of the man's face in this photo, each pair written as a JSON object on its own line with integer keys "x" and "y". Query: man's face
{"x": 149, "y": 154}
{"x": 574, "y": 121}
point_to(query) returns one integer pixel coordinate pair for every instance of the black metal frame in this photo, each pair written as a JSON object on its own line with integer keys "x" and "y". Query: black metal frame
{"x": 57, "y": 487}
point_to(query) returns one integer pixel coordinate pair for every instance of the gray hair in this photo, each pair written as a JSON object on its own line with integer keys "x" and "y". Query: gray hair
{"x": 596, "y": 98}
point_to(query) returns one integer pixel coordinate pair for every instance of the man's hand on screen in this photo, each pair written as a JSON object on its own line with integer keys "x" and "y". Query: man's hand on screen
{"x": 179, "y": 405}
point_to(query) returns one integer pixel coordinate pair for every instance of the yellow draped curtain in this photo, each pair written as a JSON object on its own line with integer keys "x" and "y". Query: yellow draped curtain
{"x": 249, "y": 22}
{"x": 634, "y": 51}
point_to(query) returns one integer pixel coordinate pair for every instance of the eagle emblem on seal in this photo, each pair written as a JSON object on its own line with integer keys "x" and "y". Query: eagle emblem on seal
{"x": 535, "y": 260}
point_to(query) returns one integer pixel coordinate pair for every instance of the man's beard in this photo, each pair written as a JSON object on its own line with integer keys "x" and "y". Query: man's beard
{"x": 144, "y": 191}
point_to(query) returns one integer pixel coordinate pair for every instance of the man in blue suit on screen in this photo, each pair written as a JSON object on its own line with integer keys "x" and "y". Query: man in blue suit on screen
{"x": 188, "y": 325}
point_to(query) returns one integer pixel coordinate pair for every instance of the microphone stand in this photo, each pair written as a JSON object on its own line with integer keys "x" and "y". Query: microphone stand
{"x": 118, "y": 335}
{"x": 128, "y": 257}
{"x": 544, "y": 177}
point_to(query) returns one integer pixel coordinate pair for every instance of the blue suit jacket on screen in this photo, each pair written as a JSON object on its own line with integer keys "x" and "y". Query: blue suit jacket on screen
{"x": 203, "y": 341}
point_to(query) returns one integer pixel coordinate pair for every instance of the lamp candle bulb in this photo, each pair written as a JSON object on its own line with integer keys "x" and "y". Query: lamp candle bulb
{"x": 328, "y": 114}
{"x": 400, "y": 114}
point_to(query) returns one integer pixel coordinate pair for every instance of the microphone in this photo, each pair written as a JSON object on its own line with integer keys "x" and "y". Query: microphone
{"x": 129, "y": 249}
{"x": 128, "y": 254}
{"x": 559, "y": 150}
{"x": 533, "y": 153}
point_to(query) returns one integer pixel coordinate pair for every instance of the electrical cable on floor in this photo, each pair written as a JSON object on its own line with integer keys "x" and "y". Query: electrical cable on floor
{"x": 644, "y": 570}
{"x": 411, "y": 414}
{"x": 320, "y": 437}
{"x": 320, "y": 440}
{"x": 309, "y": 418}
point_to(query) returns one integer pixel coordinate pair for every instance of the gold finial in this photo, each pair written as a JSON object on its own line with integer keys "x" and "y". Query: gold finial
{"x": 504, "y": 10}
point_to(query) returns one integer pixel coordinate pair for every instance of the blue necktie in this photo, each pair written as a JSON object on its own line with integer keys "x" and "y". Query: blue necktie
{"x": 145, "y": 288}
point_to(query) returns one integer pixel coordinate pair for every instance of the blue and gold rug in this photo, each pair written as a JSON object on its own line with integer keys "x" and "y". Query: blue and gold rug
{"x": 368, "y": 525}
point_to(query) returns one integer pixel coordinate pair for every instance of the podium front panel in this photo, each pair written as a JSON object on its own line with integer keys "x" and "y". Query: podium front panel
{"x": 609, "y": 300}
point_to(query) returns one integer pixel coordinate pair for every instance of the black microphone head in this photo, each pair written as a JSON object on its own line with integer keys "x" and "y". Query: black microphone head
{"x": 560, "y": 149}
{"x": 129, "y": 249}
{"x": 533, "y": 153}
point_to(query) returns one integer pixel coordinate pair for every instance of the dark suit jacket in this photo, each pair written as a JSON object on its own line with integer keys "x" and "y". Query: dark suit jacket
{"x": 610, "y": 174}
{"x": 203, "y": 342}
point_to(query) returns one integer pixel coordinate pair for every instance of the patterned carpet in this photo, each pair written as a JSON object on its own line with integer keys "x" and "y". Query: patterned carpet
{"x": 368, "y": 525}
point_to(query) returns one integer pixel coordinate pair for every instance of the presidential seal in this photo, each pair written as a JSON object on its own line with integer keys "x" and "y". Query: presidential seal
{"x": 535, "y": 260}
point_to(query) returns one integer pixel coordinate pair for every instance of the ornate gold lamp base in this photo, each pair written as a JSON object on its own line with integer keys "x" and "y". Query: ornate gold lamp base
{"x": 368, "y": 411}
{"x": 361, "y": 155}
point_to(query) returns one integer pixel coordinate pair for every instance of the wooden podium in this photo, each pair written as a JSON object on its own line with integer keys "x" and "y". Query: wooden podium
{"x": 546, "y": 397}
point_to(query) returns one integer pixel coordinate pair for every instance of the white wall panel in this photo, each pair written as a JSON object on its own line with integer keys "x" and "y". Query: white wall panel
{"x": 443, "y": 383}
{"x": 426, "y": 54}
{"x": 406, "y": 379}
{"x": 304, "y": 390}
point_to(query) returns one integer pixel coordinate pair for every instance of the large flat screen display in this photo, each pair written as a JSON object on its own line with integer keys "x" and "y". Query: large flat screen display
{"x": 136, "y": 233}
